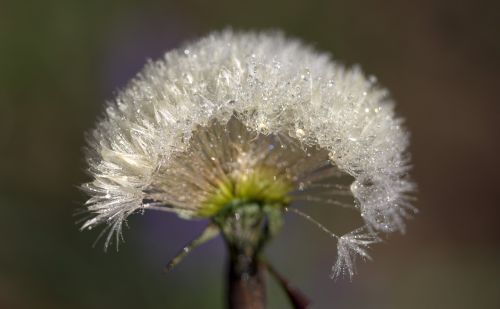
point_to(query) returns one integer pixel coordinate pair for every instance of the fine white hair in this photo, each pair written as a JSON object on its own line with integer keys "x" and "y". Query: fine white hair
{"x": 272, "y": 84}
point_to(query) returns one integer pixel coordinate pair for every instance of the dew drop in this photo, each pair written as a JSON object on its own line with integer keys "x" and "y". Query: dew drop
{"x": 301, "y": 186}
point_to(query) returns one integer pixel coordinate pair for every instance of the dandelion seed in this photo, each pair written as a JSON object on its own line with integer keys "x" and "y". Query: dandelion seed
{"x": 218, "y": 130}
{"x": 349, "y": 247}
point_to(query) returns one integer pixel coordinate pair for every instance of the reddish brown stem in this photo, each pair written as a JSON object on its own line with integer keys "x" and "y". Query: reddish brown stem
{"x": 296, "y": 297}
{"x": 246, "y": 284}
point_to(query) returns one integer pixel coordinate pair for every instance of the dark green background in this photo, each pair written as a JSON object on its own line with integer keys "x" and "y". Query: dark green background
{"x": 60, "y": 60}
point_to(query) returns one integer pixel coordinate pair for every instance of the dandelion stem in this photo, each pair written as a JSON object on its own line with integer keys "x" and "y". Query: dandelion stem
{"x": 246, "y": 228}
{"x": 246, "y": 283}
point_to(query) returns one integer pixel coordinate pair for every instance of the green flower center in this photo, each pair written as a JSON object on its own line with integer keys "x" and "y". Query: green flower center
{"x": 261, "y": 185}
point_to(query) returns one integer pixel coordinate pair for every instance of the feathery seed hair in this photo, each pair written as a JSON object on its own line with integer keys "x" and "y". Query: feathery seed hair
{"x": 251, "y": 117}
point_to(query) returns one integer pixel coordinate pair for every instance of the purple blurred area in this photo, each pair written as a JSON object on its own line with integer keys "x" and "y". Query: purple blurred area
{"x": 61, "y": 60}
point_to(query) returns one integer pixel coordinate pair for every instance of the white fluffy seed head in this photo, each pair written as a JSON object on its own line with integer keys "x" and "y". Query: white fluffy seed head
{"x": 272, "y": 85}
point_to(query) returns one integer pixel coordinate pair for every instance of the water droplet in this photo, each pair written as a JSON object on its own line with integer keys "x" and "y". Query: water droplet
{"x": 300, "y": 132}
{"x": 187, "y": 52}
{"x": 306, "y": 75}
{"x": 262, "y": 126}
{"x": 189, "y": 78}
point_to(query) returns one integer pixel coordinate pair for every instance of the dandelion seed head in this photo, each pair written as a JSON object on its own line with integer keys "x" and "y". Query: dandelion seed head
{"x": 253, "y": 117}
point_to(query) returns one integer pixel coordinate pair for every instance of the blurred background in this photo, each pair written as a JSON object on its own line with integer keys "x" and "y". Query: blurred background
{"x": 61, "y": 60}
